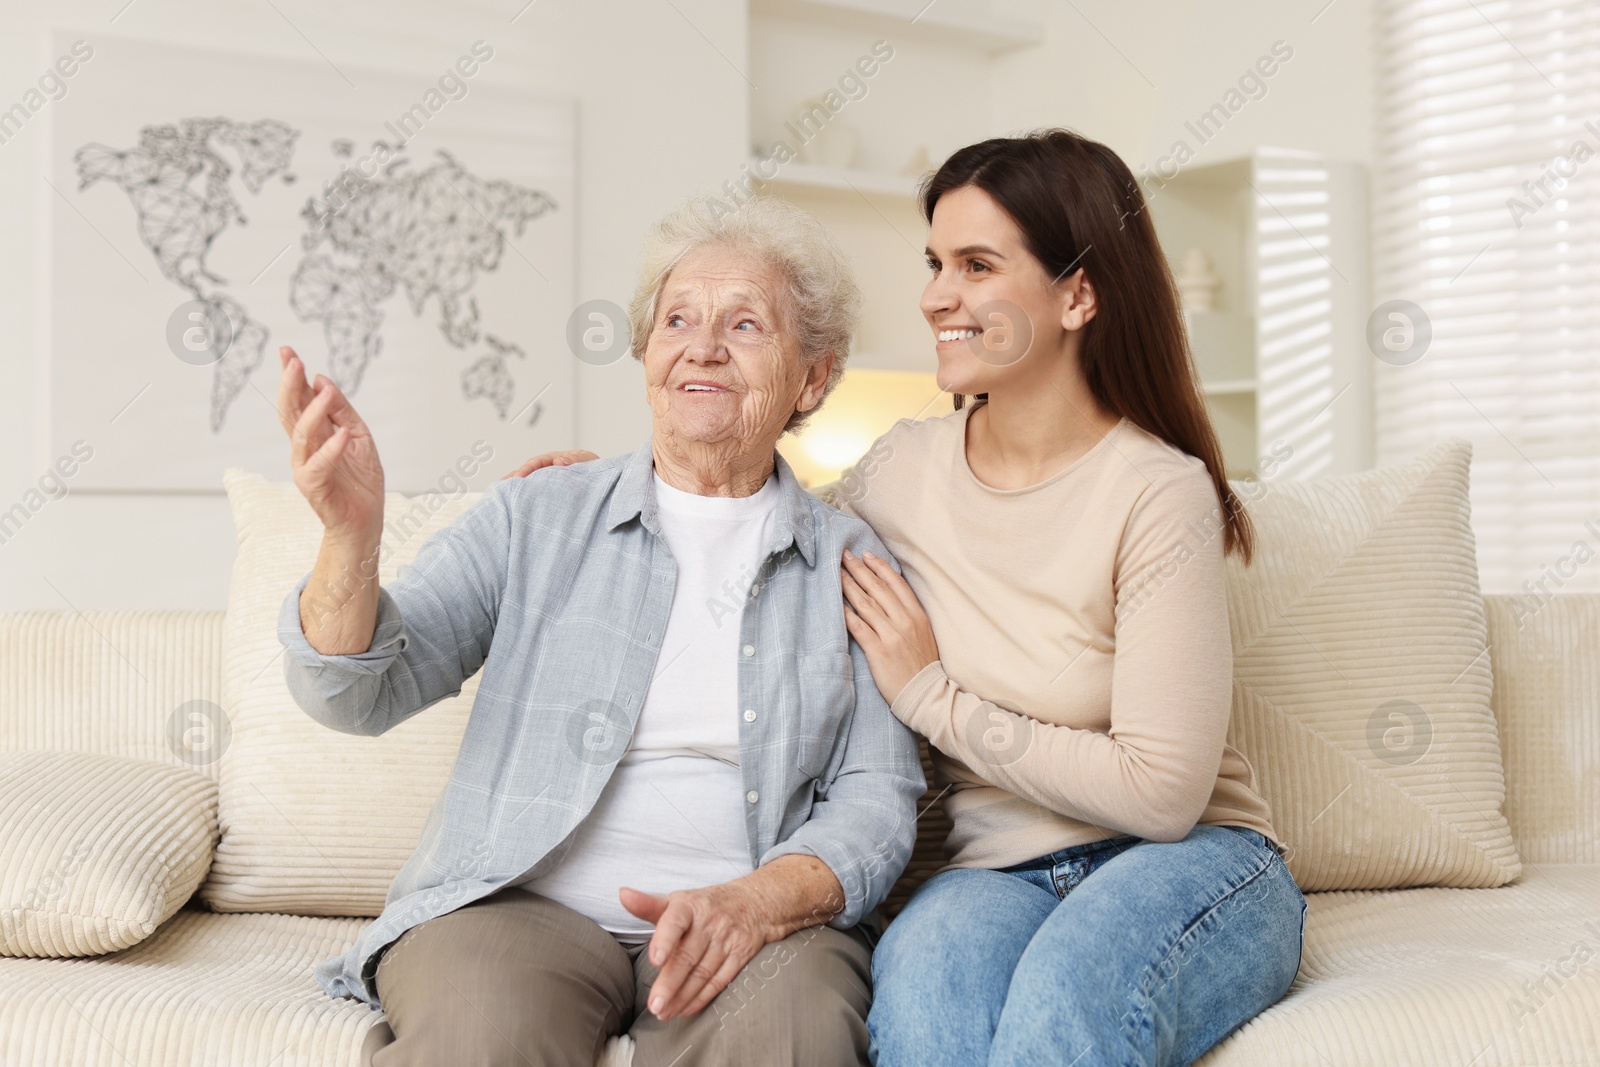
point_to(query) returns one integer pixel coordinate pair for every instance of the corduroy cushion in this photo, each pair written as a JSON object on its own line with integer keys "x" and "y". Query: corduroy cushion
{"x": 316, "y": 822}
{"x": 1362, "y": 679}
{"x": 96, "y": 852}
{"x": 933, "y": 827}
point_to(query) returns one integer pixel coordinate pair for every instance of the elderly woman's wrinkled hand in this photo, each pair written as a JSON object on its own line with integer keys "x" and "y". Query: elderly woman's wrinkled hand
{"x": 703, "y": 939}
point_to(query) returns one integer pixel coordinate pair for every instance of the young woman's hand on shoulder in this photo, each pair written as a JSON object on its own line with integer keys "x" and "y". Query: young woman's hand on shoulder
{"x": 887, "y": 621}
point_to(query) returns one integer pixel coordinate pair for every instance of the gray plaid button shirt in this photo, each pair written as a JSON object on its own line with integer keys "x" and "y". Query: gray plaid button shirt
{"x": 559, "y": 585}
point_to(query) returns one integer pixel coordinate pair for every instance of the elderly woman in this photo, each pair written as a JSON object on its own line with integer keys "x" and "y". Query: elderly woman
{"x": 679, "y": 788}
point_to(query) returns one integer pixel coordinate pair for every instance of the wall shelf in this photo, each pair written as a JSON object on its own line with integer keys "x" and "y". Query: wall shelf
{"x": 797, "y": 175}
{"x": 950, "y": 22}
{"x": 1229, "y": 387}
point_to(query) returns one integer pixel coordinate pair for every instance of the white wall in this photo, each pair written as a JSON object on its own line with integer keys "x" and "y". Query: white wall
{"x": 663, "y": 111}
{"x": 661, "y": 114}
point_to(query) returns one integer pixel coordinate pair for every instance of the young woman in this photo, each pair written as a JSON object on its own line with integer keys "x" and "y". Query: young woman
{"x": 1114, "y": 892}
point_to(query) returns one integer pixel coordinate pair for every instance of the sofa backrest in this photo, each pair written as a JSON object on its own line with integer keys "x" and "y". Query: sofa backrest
{"x": 144, "y": 684}
{"x": 137, "y": 683}
{"x": 1545, "y": 654}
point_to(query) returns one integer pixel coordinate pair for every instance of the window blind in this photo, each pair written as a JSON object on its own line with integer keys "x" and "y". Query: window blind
{"x": 1486, "y": 213}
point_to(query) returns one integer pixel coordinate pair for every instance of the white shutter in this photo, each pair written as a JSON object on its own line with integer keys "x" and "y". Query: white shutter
{"x": 1476, "y": 97}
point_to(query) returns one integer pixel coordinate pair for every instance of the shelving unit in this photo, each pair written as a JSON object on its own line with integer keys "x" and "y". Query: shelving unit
{"x": 951, "y": 22}
{"x": 1282, "y": 359}
{"x": 928, "y": 99}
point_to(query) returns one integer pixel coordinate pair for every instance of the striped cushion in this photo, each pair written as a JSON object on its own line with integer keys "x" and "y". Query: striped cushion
{"x": 96, "y": 852}
{"x": 933, "y": 828}
{"x": 316, "y": 822}
{"x": 1362, "y": 678}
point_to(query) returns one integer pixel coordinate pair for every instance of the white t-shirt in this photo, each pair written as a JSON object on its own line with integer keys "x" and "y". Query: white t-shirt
{"x": 673, "y": 814}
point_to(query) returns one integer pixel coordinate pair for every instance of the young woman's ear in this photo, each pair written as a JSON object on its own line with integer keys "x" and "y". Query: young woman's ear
{"x": 1077, "y": 300}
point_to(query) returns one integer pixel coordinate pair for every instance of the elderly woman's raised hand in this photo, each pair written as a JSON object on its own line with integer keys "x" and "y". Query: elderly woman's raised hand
{"x": 334, "y": 458}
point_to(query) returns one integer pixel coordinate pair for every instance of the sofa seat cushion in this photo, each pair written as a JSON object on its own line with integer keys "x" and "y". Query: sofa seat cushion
{"x": 1487, "y": 977}
{"x": 206, "y": 990}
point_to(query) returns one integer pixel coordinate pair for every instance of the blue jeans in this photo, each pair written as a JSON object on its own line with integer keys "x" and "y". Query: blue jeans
{"x": 1123, "y": 951}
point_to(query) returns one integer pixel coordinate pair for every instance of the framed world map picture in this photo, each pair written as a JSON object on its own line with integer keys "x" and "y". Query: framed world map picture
{"x": 411, "y": 236}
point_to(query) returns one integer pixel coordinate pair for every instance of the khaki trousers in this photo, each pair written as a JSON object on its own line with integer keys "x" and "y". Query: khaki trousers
{"x": 517, "y": 979}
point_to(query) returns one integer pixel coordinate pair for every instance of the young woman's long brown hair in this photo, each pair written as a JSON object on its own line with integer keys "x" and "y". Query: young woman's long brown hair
{"x": 1079, "y": 208}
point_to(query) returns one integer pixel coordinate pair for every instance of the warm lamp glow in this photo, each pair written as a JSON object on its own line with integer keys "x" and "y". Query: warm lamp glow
{"x": 830, "y": 448}
{"x": 864, "y": 405}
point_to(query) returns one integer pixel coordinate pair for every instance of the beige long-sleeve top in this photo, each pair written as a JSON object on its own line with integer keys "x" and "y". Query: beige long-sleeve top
{"x": 1085, "y": 670}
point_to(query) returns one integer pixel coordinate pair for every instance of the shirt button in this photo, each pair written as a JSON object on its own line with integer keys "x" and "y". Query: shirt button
{"x": 754, "y": 589}
{"x": 749, "y": 650}
{"x": 752, "y": 796}
{"x": 749, "y": 714}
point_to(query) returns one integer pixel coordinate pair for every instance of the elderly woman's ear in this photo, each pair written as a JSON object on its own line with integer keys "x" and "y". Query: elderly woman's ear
{"x": 816, "y": 386}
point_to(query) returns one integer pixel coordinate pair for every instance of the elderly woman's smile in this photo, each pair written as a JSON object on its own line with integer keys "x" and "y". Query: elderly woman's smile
{"x": 724, "y": 369}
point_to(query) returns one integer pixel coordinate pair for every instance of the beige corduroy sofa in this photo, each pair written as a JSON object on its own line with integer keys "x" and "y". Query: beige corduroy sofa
{"x": 1469, "y": 977}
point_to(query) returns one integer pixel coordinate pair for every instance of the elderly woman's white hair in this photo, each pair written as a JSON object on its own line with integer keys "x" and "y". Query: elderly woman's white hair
{"x": 824, "y": 302}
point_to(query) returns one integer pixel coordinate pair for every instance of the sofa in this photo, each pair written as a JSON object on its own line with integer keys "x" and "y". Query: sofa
{"x": 1452, "y": 858}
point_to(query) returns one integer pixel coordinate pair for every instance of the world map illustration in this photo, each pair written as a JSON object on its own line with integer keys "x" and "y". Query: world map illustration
{"x": 431, "y": 231}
